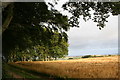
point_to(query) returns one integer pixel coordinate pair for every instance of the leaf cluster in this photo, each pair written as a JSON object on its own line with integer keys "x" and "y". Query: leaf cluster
{"x": 101, "y": 10}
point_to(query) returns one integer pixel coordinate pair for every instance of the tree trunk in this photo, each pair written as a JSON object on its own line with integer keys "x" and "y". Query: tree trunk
{"x": 8, "y": 18}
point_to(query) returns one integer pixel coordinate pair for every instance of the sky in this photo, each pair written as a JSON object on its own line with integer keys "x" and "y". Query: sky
{"x": 89, "y": 40}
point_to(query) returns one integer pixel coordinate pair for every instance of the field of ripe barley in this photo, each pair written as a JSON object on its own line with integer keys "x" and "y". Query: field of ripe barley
{"x": 101, "y": 67}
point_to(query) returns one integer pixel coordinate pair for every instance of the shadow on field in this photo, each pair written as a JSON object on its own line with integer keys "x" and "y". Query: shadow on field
{"x": 43, "y": 76}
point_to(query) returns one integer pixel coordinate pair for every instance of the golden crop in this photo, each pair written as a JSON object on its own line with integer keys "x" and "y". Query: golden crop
{"x": 102, "y": 67}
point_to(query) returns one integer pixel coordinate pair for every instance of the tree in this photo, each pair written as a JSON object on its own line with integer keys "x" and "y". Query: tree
{"x": 30, "y": 25}
{"x": 34, "y": 14}
{"x": 58, "y": 49}
{"x": 83, "y": 9}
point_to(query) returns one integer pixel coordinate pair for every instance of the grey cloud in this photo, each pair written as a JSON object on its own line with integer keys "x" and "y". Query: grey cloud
{"x": 89, "y": 37}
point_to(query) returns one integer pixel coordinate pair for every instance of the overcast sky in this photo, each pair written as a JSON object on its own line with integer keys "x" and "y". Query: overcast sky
{"x": 88, "y": 39}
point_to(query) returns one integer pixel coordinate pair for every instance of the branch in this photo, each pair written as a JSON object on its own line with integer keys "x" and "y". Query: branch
{"x": 8, "y": 19}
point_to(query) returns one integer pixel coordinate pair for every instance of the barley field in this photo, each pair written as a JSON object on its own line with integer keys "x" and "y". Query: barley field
{"x": 100, "y": 67}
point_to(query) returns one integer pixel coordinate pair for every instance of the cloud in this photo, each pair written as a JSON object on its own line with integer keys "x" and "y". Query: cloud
{"x": 89, "y": 37}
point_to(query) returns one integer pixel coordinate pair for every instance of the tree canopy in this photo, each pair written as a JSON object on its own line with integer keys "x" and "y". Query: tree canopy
{"x": 101, "y": 11}
{"x": 31, "y": 25}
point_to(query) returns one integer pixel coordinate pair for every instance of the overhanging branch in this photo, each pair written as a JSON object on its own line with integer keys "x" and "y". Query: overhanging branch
{"x": 8, "y": 18}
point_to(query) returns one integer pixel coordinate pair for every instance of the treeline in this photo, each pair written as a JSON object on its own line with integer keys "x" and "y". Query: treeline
{"x": 90, "y": 56}
{"x": 52, "y": 49}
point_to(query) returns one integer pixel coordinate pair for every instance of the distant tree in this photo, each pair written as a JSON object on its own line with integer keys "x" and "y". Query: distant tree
{"x": 87, "y": 56}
